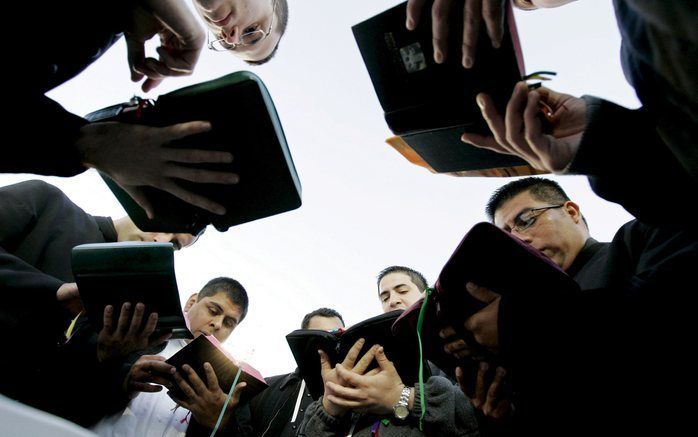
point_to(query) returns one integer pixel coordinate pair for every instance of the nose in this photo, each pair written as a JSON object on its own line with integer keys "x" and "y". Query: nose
{"x": 523, "y": 236}
{"x": 394, "y": 302}
{"x": 231, "y": 35}
{"x": 163, "y": 238}
{"x": 215, "y": 324}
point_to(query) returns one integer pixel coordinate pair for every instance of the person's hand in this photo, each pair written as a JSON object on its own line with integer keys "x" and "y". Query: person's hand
{"x": 127, "y": 337}
{"x": 148, "y": 375}
{"x": 205, "y": 400}
{"x": 181, "y": 41}
{"x": 69, "y": 296}
{"x": 488, "y": 395}
{"x": 521, "y": 132}
{"x": 483, "y": 324}
{"x": 136, "y": 156}
{"x": 376, "y": 392}
{"x": 330, "y": 374}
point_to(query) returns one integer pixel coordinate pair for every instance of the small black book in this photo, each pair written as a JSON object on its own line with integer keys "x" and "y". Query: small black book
{"x": 431, "y": 105}
{"x": 245, "y": 123}
{"x": 206, "y": 349}
{"x": 305, "y": 343}
{"x": 114, "y": 273}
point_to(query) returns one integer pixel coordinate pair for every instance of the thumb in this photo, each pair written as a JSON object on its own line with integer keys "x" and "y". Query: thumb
{"x": 481, "y": 293}
{"x": 136, "y": 58}
{"x": 324, "y": 361}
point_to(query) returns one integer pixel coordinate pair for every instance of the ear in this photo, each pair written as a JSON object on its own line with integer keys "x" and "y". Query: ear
{"x": 572, "y": 209}
{"x": 191, "y": 301}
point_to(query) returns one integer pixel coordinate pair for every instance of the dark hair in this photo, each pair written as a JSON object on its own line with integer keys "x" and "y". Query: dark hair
{"x": 320, "y": 312}
{"x": 417, "y": 278}
{"x": 541, "y": 189}
{"x": 232, "y": 289}
{"x": 282, "y": 19}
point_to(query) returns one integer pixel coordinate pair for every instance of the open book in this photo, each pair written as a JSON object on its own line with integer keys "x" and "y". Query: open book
{"x": 244, "y": 123}
{"x": 428, "y": 105}
{"x": 207, "y": 349}
{"x": 491, "y": 258}
{"x": 114, "y": 273}
{"x": 305, "y": 343}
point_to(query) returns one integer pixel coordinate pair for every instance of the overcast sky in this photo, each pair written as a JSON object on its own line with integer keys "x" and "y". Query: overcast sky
{"x": 364, "y": 206}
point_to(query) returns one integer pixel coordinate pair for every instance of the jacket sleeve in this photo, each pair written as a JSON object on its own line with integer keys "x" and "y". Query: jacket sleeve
{"x": 628, "y": 163}
{"x": 318, "y": 423}
{"x": 448, "y": 411}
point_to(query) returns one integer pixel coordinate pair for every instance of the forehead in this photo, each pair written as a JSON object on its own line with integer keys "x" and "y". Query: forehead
{"x": 325, "y": 323}
{"x": 392, "y": 280}
{"x": 222, "y": 300}
{"x": 512, "y": 207}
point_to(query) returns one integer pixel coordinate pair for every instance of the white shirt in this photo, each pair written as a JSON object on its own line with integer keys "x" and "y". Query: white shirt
{"x": 149, "y": 414}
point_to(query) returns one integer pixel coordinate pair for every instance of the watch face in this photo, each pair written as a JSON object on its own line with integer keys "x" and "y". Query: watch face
{"x": 401, "y": 412}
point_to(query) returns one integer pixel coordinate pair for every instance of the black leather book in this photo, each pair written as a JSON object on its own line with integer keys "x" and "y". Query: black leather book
{"x": 206, "y": 349}
{"x": 244, "y": 123}
{"x": 305, "y": 343}
{"x": 430, "y": 105}
{"x": 114, "y": 273}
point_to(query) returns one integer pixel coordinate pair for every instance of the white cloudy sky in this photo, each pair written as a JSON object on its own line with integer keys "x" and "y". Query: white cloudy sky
{"x": 364, "y": 207}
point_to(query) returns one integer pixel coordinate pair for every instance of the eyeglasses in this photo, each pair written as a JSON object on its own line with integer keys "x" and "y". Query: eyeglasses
{"x": 526, "y": 219}
{"x": 246, "y": 39}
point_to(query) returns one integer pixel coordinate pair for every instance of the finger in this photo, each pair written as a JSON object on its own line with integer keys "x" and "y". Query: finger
{"x": 456, "y": 346}
{"x": 156, "y": 69}
{"x": 158, "y": 365}
{"x": 365, "y": 361}
{"x": 211, "y": 378}
{"x": 514, "y": 122}
{"x": 196, "y": 383}
{"x": 463, "y": 382}
{"x": 174, "y": 61}
{"x": 138, "y": 196}
{"x": 480, "y": 385}
{"x": 324, "y": 361}
{"x": 533, "y": 127}
{"x": 200, "y": 175}
{"x": 493, "y": 14}
{"x": 180, "y": 402}
{"x": 383, "y": 362}
{"x": 472, "y": 15}
{"x": 484, "y": 142}
{"x": 353, "y": 354}
{"x": 136, "y": 56}
{"x": 351, "y": 405}
{"x": 124, "y": 316}
{"x": 191, "y": 198}
{"x": 440, "y": 12}
{"x": 414, "y": 13}
{"x": 373, "y": 372}
{"x": 149, "y": 84}
{"x": 150, "y": 325}
{"x": 349, "y": 377}
{"x": 181, "y": 130}
{"x": 107, "y": 319}
{"x": 492, "y": 118}
{"x": 145, "y": 387}
{"x": 447, "y": 332}
{"x": 493, "y": 393}
{"x": 348, "y": 393}
{"x": 136, "y": 320}
{"x": 237, "y": 393}
{"x": 481, "y": 293}
{"x": 184, "y": 386}
{"x": 194, "y": 156}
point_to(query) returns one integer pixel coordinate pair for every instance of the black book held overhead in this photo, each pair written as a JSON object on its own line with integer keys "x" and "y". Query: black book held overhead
{"x": 244, "y": 123}
{"x": 429, "y": 105}
{"x": 114, "y": 273}
{"x": 206, "y": 349}
{"x": 305, "y": 343}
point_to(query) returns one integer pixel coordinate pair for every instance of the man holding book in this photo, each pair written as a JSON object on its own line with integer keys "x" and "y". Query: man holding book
{"x": 39, "y": 226}
{"x": 590, "y": 348}
{"x": 216, "y": 310}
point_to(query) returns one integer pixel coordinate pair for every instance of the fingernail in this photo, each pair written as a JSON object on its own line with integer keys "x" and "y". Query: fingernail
{"x": 219, "y": 210}
{"x": 470, "y": 286}
{"x": 501, "y": 371}
{"x": 484, "y": 366}
{"x": 381, "y": 350}
{"x": 467, "y": 61}
{"x": 480, "y": 102}
{"x": 410, "y": 24}
{"x": 441, "y": 334}
{"x": 438, "y": 56}
{"x": 496, "y": 44}
{"x": 234, "y": 179}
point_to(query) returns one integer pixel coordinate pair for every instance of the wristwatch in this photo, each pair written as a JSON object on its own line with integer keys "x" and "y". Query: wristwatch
{"x": 400, "y": 409}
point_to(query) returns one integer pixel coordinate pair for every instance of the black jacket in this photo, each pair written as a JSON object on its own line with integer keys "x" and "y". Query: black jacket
{"x": 39, "y": 226}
